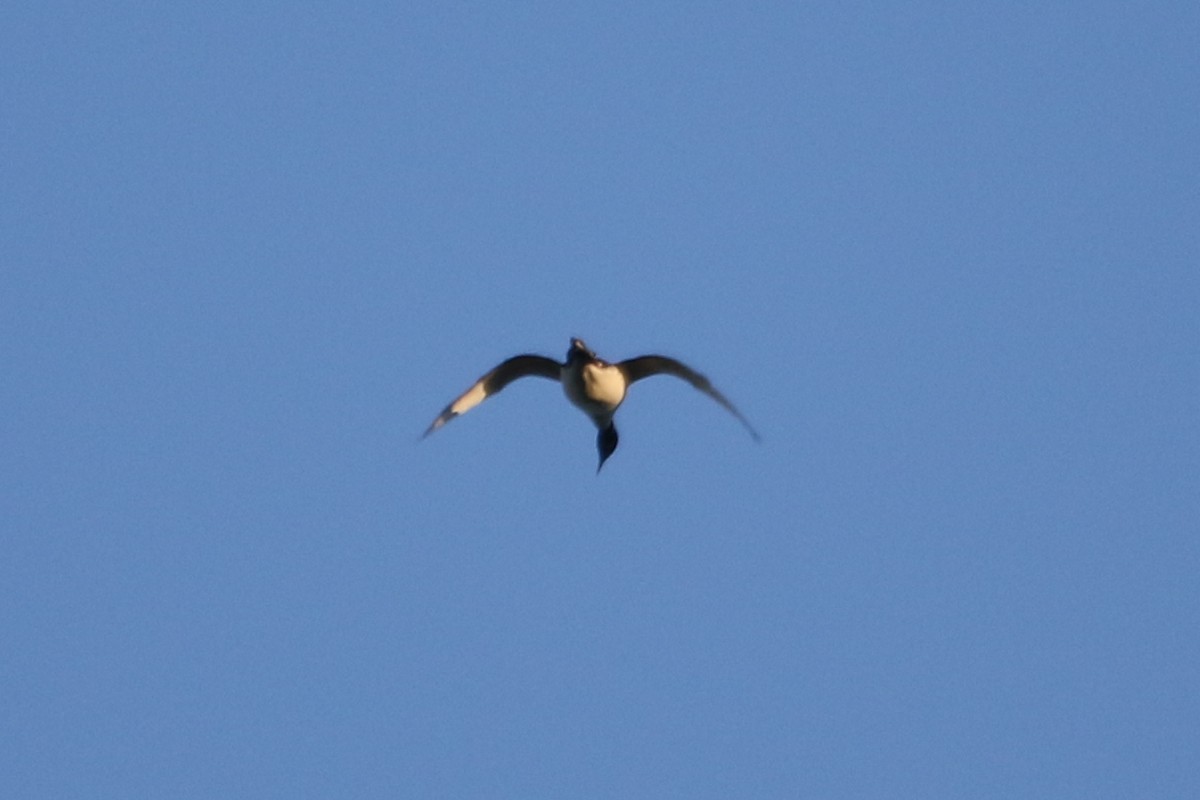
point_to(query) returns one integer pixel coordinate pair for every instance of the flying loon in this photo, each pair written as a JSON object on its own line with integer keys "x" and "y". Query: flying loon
{"x": 594, "y": 386}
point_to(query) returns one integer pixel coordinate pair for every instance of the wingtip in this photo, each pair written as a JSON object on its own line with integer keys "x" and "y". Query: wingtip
{"x": 441, "y": 420}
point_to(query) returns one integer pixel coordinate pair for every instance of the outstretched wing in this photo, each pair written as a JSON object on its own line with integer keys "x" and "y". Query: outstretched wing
{"x": 493, "y": 382}
{"x": 644, "y": 366}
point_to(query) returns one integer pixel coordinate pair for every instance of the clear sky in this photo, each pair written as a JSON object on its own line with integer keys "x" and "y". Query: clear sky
{"x": 943, "y": 255}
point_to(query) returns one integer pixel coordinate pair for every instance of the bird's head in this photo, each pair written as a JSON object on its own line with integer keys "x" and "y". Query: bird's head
{"x": 579, "y": 350}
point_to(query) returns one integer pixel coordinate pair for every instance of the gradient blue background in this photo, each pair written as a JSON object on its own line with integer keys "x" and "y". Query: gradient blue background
{"x": 944, "y": 255}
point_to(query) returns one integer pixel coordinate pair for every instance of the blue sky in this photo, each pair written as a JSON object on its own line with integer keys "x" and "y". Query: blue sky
{"x": 943, "y": 255}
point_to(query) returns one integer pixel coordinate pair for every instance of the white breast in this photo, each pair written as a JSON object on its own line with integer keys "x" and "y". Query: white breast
{"x": 596, "y": 389}
{"x": 604, "y": 385}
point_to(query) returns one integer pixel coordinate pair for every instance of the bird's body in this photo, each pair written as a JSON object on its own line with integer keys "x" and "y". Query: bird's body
{"x": 594, "y": 386}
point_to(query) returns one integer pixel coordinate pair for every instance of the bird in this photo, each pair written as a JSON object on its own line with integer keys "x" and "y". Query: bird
{"x": 594, "y": 386}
